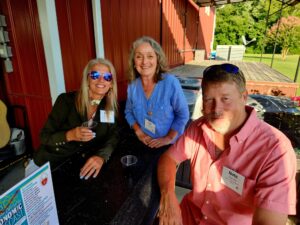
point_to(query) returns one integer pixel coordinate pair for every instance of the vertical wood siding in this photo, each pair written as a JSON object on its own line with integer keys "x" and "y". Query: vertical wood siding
{"x": 28, "y": 84}
{"x": 76, "y": 33}
{"x": 173, "y": 22}
{"x": 123, "y": 22}
{"x": 206, "y": 28}
{"x": 192, "y": 41}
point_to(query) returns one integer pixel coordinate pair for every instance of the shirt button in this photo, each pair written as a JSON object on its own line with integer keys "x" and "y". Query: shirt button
{"x": 205, "y": 217}
{"x": 207, "y": 202}
{"x": 57, "y": 149}
{"x": 208, "y": 185}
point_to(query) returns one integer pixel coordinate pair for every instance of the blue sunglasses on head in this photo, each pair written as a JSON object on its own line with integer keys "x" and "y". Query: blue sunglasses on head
{"x": 96, "y": 75}
{"x": 229, "y": 68}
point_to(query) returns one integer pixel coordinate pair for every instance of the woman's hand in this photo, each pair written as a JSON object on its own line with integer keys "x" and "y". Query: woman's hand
{"x": 92, "y": 167}
{"x": 143, "y": 137}
{"x": 166, "y": 140}
{"x": 159, "y": 142}
{"x": 169, "y": 211}
{"x": 80, "y": 134}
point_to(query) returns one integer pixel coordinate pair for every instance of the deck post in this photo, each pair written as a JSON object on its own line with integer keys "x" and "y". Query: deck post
{"x": 297, "y": 70}
{"x": 276, "y": 36}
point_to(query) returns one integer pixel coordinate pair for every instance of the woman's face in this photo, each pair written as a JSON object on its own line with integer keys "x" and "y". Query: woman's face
{"x": 145, "y": 60}
{"x": 98, "y": 86}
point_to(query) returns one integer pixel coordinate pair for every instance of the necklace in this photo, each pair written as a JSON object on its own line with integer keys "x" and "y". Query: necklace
{"x": 149, "y": 109}
{"x": 95, "y": 102}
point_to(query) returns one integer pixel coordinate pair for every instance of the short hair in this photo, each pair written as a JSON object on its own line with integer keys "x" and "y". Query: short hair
{"x": 82, "y": 98}
{"x": 162, "y": 65}
{"x": 224, "y": 73}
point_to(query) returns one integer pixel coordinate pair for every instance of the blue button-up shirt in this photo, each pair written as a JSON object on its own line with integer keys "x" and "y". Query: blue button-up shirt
{"x": 167, "y": 104}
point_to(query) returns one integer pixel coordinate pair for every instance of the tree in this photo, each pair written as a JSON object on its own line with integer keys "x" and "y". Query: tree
{"x": 249, "y": 19}
{"x": 288, "y": 34}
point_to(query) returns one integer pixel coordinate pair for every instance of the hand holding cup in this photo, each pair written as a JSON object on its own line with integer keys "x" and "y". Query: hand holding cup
{"x": 85, "y": 132}
{"x": 88, "y": 129}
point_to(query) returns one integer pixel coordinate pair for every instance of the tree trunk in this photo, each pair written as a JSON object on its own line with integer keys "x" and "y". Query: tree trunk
{"x": 284, "y": 53}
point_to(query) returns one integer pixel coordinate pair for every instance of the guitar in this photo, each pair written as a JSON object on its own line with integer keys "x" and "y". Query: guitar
{"x": 4, "y": 127}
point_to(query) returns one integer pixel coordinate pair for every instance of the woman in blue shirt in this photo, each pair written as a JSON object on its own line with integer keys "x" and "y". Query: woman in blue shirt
{"x": 156, "y": 107}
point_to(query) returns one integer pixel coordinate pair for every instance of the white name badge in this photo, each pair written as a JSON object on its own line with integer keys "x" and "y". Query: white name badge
{"x": 150, "y": 126}
{"x": 107, "y": 117}
{"x": 233, "y": 180}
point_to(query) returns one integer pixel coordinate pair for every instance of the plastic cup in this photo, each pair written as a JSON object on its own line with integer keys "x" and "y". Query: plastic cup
{"x": 90, "y": 124}
{"x": 129, "y": 160}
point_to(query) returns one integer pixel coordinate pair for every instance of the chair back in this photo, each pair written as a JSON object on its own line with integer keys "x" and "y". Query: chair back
{"x": 4, "y": 127}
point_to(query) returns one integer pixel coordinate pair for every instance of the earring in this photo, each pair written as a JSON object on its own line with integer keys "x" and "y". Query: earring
{"x": 109, "y": 91}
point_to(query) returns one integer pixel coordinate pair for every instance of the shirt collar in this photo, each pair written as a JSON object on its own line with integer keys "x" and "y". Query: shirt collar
{"x": 249, "y": 126}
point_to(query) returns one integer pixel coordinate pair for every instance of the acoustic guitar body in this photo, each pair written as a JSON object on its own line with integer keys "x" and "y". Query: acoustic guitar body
{"x": 4, "y": 127}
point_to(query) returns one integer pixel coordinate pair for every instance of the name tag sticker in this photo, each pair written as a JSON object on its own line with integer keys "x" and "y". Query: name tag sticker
{"x": 150, "y": 126}
{"x": 107, "y": 117}
{"x": 232, "y": 180}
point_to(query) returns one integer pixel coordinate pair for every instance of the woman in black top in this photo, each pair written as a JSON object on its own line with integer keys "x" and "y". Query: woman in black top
{"x": 63, "y": 134}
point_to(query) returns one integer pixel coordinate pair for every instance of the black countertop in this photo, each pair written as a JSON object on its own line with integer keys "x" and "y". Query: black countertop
{"x": 123, "y": 196}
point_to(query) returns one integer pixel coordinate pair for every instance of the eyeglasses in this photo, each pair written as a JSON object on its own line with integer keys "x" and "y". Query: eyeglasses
{"x": 96, "y": 75}
{"x": 229, "y": 68}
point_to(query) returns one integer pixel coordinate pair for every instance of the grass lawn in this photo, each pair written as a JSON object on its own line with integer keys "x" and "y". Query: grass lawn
{"x": 287, "y": 67}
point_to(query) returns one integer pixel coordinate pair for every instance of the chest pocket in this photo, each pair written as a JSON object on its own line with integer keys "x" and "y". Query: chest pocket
{"x": 163, "y": 112}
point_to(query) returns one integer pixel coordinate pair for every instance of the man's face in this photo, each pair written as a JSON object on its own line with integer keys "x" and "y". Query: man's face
{"x": 224, "y": 106}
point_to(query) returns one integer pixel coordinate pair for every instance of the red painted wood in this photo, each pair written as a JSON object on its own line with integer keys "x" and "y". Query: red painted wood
{"x": 28, "y": 84}
{"x": 122, "y": 24}
{"x": 206, "y": 28}
{"x": 76, "y": 33}
{"x": 173, "y": 22}
{"x": 191, "y": 33}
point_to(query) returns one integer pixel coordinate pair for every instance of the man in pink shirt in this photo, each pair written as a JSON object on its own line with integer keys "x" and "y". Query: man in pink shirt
{"x": 242, "y": 169}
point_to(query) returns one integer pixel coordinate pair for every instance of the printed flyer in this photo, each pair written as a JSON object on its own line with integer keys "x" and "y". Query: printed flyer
{"x": 31, "y": 201}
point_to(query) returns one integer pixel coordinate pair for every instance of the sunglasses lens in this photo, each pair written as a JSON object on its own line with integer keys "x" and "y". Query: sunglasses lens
{"x": 94, "y": 75}
{"x": 107, "y": 76}
{"x": 229, "y": 68}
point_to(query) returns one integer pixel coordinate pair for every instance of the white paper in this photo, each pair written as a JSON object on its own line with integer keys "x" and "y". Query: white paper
{"x": 150, "y": 126}
{"x": 107, "y": 118}
{"x": 232, "y": 180}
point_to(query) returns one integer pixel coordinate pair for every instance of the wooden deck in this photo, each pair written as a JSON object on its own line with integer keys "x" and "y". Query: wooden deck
{"x": 261, "y": 79}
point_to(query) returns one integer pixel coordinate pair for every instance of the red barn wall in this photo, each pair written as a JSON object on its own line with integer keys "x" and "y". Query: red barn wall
{"x": 28, "y": 84}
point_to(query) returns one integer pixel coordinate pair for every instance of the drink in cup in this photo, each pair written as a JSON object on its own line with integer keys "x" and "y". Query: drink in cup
{"x": 90, "y": 124}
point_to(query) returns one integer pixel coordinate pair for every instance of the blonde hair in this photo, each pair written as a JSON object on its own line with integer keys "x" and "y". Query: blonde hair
{"x": 82, "y": 98}
{"x": 162, "y": 65}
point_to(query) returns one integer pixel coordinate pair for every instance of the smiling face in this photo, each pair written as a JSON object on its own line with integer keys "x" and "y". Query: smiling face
{"x": 99, "y": 87}
{"x": 224, "y": 106}
{"x": 145, "y": 60}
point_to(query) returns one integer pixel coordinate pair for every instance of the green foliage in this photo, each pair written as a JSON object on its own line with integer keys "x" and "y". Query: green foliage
{"x": 249, "y": 19}
{"x": 286, "y": 33}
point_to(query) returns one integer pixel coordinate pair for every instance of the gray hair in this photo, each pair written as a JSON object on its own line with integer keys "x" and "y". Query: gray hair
{"x": 162, "y": 65}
